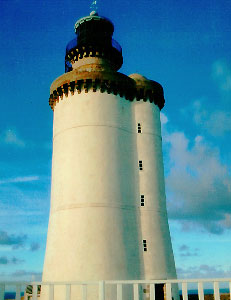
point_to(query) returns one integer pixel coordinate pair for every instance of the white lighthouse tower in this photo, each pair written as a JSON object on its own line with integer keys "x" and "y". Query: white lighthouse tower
{"x": 108, "y": 218}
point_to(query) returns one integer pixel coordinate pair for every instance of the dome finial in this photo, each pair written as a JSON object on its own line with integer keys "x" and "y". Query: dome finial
{"x": 94, "y": 13}
{"x": 93, "y": 8}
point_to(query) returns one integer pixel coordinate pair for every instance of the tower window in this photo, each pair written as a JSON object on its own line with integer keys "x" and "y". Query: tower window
{"x": 140, "y": 165}
{"x": 145, "y": 245}
{"x": 141, "y": 200}
{"x": 139, "y": 128}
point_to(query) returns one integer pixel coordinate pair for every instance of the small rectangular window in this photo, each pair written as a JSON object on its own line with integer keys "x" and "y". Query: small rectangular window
{"x": 141, "y": 200}
{"x": 139, "y": 128}
{"x": 140, "y": 165}
{"x": 145, "y": 245}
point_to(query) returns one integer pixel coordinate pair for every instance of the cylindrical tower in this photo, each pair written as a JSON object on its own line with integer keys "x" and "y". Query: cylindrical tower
{"x": 108, "y": 216}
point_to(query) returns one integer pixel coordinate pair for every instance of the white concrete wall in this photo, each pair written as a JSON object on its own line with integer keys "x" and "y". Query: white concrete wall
{"x": 96, "y": 224}
{"x": 158, "y": 259}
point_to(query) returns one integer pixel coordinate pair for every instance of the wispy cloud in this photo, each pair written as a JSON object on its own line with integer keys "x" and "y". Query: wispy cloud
{"x": 34, "y": 247}
{"x": 185, "y": 251}
{"x": 21, "y": 275}
{"x": 215, "y": 122}
{"x": 163, "y": 118}
{"x": 204, "y": 271}
{"x": 213, "y": 116}
{"x": 16, "y": 212}
{"x": 26, "y": 275}
{"x": 10, "y": 137}
{"x": 19, "y": 179}
{"x": 221, "y": 72}
{"x": 197, "y": 183}
{"x": 6, "y": 261}
{"x": 16, "y": 241}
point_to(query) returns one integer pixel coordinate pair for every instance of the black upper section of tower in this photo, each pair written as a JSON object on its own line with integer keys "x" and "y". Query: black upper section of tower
{"x": 94, "y": 39}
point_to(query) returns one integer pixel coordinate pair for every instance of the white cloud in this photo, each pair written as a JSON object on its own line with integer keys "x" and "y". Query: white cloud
{"x": 213, "y": 116}
{"x": 185, "y": 251}
{"x": 12, "y": 240}
{"x": 198, "y": 138}
{"x": 16, "y": 212}
{"x": 10, "y": 137}
{"x": 4, "y": 260}
{"x": 216, "y": 123}
{"x": 198, "y": 185}
{"x": 163, "y": 118}
{"x": 21, "y": 275}
{"x": 221, "y": 72}
{"x": 27, "y": 275}
{"x": 23, "y": 204}
{"x": 19, "y": 179}
{"x": 227, "y": 220}
{"x": 34, "y": 246}
{"x": 204, "y": 271}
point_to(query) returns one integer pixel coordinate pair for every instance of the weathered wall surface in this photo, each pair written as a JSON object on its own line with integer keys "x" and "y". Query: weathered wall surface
{"x": 94, "y": 229}
{"x": 97, "y": 224}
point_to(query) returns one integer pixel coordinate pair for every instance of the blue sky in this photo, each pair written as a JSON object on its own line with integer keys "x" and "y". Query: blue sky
{"x": 184, "y": 45}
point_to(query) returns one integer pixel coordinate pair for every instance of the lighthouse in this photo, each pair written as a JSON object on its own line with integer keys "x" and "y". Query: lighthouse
{"x": 108, "y": 217}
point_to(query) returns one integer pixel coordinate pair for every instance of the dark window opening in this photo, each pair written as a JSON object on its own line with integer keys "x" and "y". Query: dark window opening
{"x": 145, "y": 245}
{"x": 139, "y": 128}
{"x": 140, "y": 165}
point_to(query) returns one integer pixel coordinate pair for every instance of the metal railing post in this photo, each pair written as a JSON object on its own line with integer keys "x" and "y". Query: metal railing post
{"x": 119, "y": 291}
{"x": 230, "y": 290}
{"x": 216, "y": 290}
{"x": 152, "y": 292}
{"x": 2, "y": 291}
{"x": 184, "y": 290}
{"x": 101, "y": 290}
{"x": 34, "y": 291}
{"x": 18, "y": 292}
{"x": 168, "y": 291}
{"x": 200, "y": 291}
{"x": 51, "y": 292}
{"x": 84, "y": 292}
{"x": 135, "y": 291}
{"x": 68, "y": 291}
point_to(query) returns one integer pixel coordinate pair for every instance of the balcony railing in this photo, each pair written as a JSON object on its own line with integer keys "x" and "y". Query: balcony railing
{"x": 32, "y": 289}
{"x": 73, "y": 44}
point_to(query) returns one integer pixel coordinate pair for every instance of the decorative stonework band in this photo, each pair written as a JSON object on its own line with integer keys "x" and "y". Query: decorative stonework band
{"x": 106, "y": 82}
{"x": 112, "y": 54}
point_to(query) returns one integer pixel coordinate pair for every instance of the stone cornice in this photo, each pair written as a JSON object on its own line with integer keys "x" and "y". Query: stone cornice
{"x": 110, "y": 53}
{"x": 106, "y": 82}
